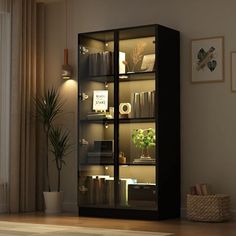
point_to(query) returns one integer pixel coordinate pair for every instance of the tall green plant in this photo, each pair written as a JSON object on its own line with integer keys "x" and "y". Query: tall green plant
{"x": 47, "y": 109}
{"x": 60, "y": 148}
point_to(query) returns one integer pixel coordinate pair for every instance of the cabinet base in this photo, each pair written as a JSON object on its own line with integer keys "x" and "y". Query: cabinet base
{"x": 121, "y": 213}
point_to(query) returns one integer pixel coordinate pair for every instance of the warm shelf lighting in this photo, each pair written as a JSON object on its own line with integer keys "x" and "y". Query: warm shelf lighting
{"x": 106, "y": 125}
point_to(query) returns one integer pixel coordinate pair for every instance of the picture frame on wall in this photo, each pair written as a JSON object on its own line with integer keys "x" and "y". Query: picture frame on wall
{"x": 233, "y": 70}
{"x": 207, "y": 60}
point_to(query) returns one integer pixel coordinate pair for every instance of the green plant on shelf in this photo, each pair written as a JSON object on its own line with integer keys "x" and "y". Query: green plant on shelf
{"x": 144, "y": 139}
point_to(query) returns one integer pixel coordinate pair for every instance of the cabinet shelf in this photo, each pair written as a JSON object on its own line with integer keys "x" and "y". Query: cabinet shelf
{"x": 136, "y": 76}
{"x": 111, "y": 164}
{"x": 127, "y": 77}
{"x": 121, "y": 120}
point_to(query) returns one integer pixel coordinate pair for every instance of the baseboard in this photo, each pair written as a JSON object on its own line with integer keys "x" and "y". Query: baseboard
{"x": 70, "y": 207}
{"x": 4, "y": 208}
{"x": 233, "y": 213}
{"x": 183, "y": 213}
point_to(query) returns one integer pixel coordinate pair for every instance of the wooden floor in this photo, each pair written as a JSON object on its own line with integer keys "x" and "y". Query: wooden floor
{"x": 179, "y": 227}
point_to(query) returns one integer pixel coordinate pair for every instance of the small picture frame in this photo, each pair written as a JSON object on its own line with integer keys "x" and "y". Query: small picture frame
{"x": 207, "y": 60}
{"x": 100, "y": 100}
{"x": 122, "y": 66}
{"x": 233, "y": 71}
{"x": 148, "y": 62}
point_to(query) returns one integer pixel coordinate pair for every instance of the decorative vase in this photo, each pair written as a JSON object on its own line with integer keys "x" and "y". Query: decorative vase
{"x": 145, "y": 153}
{"x": 53, "y": 202}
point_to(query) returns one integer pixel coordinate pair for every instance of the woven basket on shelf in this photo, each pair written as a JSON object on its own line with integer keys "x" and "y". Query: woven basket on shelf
{"x": 209, "y": 208}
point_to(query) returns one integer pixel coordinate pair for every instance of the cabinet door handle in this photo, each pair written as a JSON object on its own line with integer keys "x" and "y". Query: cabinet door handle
{"x": 83, "y": 142}
{"x": 83, "y": 96}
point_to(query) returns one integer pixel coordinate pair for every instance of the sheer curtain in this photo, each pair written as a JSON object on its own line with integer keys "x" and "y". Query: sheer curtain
{"x": 27, "y": 82}
{"x": 5, "y": 53}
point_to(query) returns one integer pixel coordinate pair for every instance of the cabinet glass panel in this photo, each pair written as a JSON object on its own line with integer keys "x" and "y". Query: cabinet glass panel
{"x": 96, "y": 113}
{"x": 137, "y": 127}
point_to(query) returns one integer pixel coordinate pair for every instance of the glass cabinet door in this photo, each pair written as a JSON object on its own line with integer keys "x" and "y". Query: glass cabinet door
{"x": 137, "y": 129}
{"x": 96, "y": 115}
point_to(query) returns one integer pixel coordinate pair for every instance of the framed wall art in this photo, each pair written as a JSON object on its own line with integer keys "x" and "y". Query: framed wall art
{"x": 207, "y": 60}
{"x": 233, "y": 71}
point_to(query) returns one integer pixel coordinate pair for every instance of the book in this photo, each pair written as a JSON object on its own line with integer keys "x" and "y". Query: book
{"x": 144, "y": 160}
{"x": 109, "y": 193}
{"x": 198, "y": 189}
{"x": 193, "y": 190}
{"x": 89, "y": 183}
{"x": 205, "y": 189}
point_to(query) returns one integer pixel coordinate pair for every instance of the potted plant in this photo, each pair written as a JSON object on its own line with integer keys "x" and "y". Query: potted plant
{"x": 48, "y": 107}
{"x": 59, "y": 141}
{"x": 144, "y": 139}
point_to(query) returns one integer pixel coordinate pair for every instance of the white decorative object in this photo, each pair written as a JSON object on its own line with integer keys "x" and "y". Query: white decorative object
{"x": 121, "y": 63}
{"x": 125, "y": 108}
{"x": 100, "y": 100}
{"x": 148, "y": 62}
{"x": 207, "y": 60}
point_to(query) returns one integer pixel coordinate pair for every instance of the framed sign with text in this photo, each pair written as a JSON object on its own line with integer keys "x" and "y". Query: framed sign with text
{"x": 100, "y": 100}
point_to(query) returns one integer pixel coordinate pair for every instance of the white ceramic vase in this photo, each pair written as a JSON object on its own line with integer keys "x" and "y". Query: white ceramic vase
{"x": 53, "y": 202}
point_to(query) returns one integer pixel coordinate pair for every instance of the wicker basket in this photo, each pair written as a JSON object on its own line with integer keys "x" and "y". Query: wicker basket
{"x": 209, "y": 208}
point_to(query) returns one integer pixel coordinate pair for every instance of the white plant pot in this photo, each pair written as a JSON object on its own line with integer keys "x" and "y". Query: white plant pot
{"x": 53, "y": 202}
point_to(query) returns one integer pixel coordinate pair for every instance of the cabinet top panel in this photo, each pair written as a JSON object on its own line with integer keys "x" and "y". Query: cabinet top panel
{"x": 124, "y": 33}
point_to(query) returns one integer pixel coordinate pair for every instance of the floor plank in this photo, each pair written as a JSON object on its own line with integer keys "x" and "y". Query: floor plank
{"x": 179, "y": 227}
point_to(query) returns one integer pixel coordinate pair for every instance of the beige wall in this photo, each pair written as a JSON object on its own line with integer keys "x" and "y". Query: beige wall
{"x": 208, "y": 111}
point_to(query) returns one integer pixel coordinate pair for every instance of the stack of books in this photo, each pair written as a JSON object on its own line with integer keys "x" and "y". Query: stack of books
{"x": 98, "y": 116}
{"x": 101, "y": 63}
{"x": 100, "y": 157}
{"x": 102, "y": 152}
{"x": 143, "y": 160}
{"x": 200, "y": 189}
{"x": 143, "y": 104}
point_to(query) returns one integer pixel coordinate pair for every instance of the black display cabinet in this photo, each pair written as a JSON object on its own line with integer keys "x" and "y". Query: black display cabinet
{"x": 129, "y": 123}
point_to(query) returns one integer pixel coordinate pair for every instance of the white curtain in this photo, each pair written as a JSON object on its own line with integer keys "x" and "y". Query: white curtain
{"x": 5, "y": 53}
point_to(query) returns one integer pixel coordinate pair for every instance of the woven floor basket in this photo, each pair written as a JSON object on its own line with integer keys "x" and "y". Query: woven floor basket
{"x": 210, "y": 208}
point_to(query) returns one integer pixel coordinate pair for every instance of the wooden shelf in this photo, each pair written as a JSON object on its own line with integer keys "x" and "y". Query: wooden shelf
{"x": 121, "y": 120}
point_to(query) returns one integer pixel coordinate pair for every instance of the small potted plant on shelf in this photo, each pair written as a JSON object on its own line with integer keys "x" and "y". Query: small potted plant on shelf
{"x": 48, "y": 107}
{"x": 144, "y": 139}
